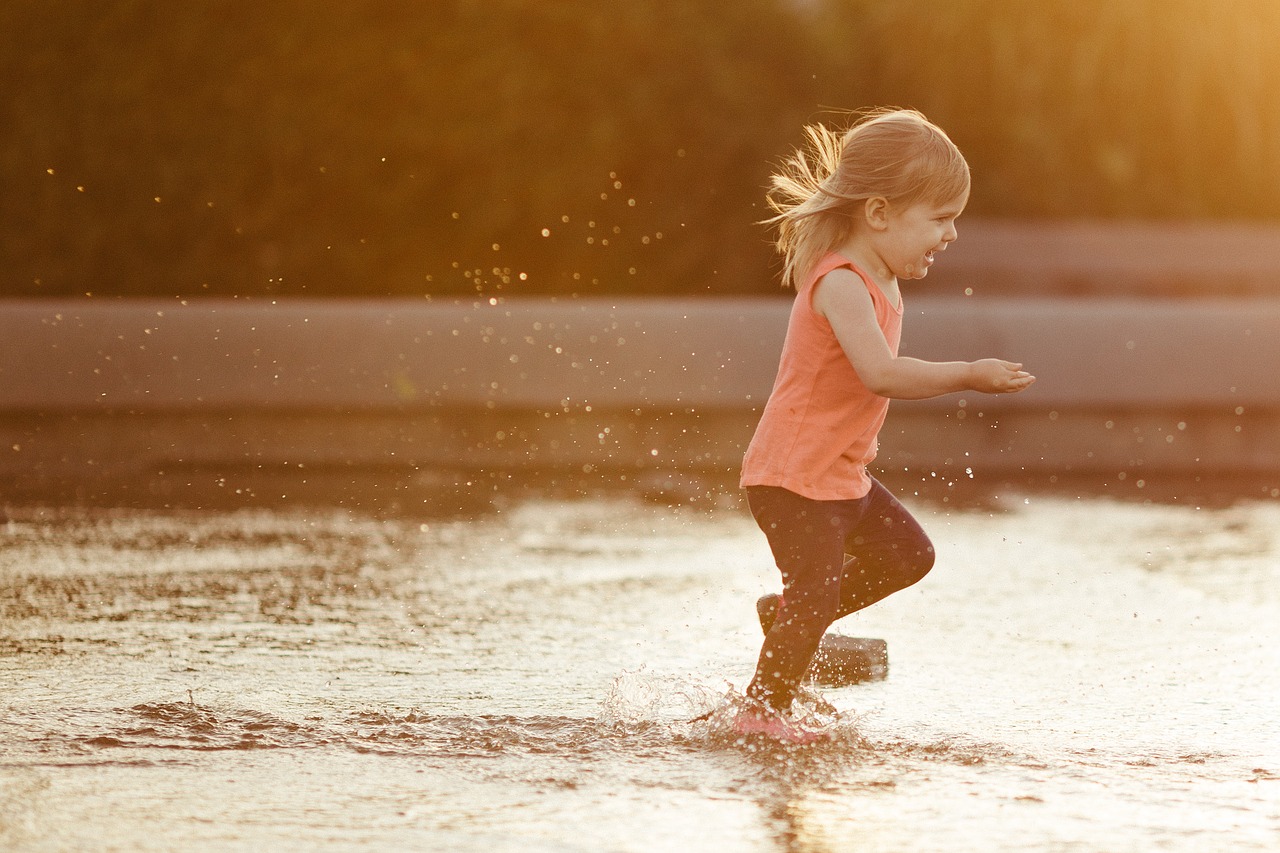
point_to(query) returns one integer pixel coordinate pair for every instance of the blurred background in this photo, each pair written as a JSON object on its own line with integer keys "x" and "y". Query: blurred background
{"x": 455, "y": 147}
{"x": 236, "y": 167}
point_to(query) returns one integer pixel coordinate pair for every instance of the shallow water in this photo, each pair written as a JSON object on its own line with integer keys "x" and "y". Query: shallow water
{"x": 1075, "y": 674}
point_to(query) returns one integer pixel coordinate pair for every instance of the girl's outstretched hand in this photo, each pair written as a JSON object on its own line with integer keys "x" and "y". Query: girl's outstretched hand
{"x": 993, "y": 376}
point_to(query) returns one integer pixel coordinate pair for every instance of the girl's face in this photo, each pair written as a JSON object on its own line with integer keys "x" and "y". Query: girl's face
{"x": 914, "y": 234}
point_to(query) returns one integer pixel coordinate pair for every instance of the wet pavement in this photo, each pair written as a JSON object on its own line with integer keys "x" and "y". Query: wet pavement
{"x": 1075, "y": 674}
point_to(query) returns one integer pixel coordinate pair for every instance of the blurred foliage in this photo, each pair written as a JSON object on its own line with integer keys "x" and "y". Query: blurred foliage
{"x": 389, "y": 147}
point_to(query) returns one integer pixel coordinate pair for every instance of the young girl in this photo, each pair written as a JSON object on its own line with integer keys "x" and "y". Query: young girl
{"x": 856, "y": 214}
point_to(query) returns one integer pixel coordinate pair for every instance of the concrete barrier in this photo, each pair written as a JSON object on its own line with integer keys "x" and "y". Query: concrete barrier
{"x": 162, "y": 398}
{"x": 1083, "y": 258}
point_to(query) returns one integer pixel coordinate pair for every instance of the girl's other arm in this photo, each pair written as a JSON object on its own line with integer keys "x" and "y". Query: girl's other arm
{"x": 842, "y": 298}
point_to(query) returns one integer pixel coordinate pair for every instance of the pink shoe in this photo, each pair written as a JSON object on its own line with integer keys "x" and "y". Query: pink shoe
{"x": 773, "y": 725}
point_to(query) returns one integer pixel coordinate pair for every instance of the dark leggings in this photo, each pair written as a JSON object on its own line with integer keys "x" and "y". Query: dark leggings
{"x": 887, "y": 549}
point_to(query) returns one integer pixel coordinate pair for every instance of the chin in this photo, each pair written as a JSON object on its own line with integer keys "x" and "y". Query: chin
{"x": 911, "y": 272}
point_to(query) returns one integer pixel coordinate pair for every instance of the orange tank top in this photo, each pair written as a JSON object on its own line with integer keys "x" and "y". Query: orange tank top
{"x": 819, "y": 428}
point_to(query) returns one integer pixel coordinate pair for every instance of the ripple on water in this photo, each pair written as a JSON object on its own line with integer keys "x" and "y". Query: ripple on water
{"x": 642, "y": 716}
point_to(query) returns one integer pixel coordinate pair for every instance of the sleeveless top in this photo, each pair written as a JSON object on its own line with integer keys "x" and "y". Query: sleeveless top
{"x": 820, "y": 426}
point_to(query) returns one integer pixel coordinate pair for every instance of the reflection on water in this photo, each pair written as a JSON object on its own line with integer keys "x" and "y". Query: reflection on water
{"x": 1075, "y": 674}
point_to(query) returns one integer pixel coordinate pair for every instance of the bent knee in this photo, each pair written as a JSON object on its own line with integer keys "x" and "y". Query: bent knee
{"x": 920, "y": 564}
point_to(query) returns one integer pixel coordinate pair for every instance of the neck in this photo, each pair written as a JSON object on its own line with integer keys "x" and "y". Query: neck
{"x": 862, "y": 253}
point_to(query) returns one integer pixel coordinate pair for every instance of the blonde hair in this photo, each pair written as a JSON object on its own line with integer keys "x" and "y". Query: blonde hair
{"x": 892, "y": 153}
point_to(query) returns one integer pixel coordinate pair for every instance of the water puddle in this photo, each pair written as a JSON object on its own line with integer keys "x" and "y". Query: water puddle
{"x": 560, "y": 675}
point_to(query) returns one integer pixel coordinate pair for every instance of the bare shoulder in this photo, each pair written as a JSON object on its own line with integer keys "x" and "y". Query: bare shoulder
{"x": 841, "y": 292}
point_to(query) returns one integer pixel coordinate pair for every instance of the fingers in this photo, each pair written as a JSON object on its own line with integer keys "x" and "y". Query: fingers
{"x": 1005, "y": 377}
{"x": 1020, "y": 381}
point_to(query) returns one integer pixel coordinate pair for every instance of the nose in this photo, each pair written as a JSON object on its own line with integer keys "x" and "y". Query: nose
{"x": 950, "y": 234}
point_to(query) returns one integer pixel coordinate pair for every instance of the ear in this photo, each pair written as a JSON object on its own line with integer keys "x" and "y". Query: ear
{"x": 875, "y": 211}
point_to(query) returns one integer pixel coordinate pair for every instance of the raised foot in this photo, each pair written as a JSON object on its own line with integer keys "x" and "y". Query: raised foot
{"x": 840, "y": 661}
{"x": 767, "y": 610}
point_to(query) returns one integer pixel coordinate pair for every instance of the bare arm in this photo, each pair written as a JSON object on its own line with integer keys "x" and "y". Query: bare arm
{"x": 842, "y": 298}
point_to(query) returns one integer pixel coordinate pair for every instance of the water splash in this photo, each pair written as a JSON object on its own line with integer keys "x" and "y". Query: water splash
{"x": 638, "y": 697}
{"x": 700, "y": 713}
